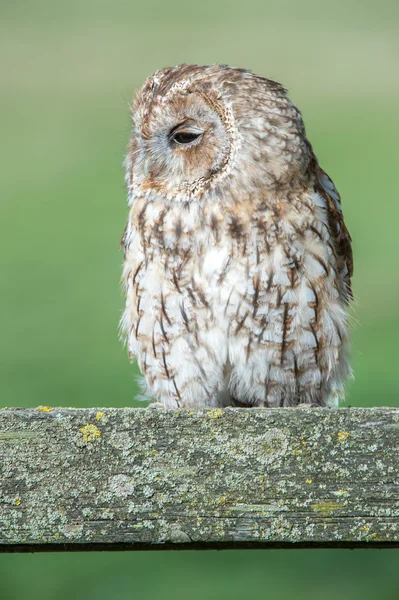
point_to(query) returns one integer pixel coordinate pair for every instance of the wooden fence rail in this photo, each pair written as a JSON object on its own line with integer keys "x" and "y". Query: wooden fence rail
{"x": 111, "y": 479}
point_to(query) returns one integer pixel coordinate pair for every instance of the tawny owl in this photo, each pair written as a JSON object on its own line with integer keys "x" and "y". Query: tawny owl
{"x": 238, "y": 263}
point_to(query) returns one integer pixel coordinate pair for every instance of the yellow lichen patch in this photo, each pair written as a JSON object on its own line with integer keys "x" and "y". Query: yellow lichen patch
{"x": 214, "y": 413}
{"x": 57, "y": 534}
{"x": 90, "y": 432}
{"x": 343, "y": 435}
{"x": 17, "y": 501}
{"x": 99, "y": 415}
{"x": 326, "y": 508}
{"x": 309, "y": 481}
{"x": 341, "y": 492}
{"x": 45, "y": 408}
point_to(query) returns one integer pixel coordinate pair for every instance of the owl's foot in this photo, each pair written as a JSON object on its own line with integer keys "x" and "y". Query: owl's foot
{"x": 156, "y": 405}
{"x": 239, "y": 404}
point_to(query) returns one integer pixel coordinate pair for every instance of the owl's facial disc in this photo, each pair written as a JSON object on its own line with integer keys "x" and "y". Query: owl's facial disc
{"x": 184, "y": 142}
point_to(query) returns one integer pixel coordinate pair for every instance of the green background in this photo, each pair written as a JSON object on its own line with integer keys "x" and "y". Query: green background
{"x": 68, "y": 72}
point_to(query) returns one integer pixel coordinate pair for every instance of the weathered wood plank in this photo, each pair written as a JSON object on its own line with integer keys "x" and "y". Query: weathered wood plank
{"x": 75, "y": 479}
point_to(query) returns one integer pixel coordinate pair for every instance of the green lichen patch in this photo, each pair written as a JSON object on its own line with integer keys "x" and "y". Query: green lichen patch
{"x": 326, "y": 508}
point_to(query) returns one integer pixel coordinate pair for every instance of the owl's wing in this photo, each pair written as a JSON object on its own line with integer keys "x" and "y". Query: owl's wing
{"x": 326, "y": 188}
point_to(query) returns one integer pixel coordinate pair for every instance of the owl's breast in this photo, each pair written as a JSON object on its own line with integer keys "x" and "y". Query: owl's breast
{"x": 249, "y": 274}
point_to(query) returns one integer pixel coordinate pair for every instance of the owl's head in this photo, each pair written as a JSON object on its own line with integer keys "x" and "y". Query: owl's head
{"x": 195, "y": 129}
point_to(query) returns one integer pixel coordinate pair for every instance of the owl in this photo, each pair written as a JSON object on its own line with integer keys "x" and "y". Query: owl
{"x": 238, "y": 263}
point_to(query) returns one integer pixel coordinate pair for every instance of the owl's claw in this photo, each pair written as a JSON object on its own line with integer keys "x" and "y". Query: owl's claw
{"x": 156, "y": 405}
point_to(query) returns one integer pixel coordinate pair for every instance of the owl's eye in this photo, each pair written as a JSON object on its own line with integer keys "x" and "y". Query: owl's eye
{"x": 186, "y": 136}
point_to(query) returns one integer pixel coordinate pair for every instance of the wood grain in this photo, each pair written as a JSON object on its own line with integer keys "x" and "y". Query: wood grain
{"x": 95, "y": 479}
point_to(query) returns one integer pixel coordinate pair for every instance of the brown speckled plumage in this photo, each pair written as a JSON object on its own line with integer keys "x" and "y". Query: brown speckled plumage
{"x": 237, "y": 259}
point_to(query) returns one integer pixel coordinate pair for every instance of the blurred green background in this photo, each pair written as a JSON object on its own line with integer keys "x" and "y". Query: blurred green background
{"x": 68, "y": 72}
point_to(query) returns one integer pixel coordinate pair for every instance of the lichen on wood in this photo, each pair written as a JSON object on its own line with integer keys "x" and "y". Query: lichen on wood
{"x": 83, "y": 479}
